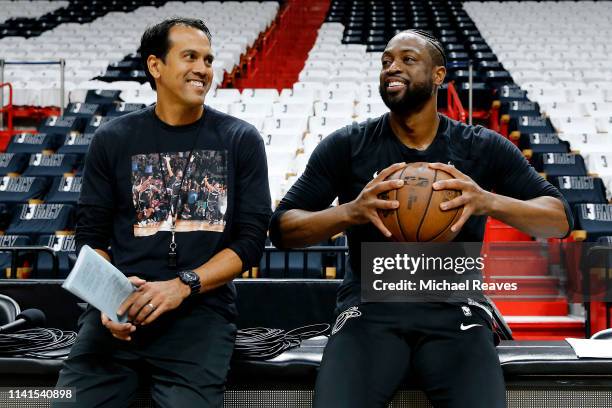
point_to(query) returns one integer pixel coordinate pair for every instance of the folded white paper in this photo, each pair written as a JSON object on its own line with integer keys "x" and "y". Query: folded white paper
{"x": 585, "y": 348}
{"x": 99, "y": 283}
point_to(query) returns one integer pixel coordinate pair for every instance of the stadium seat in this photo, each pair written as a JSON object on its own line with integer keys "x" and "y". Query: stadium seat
{"x": 250, "y": 109}
{"x": 22, "y": 189}
{"x": 560, "y": 164}
{"x": 543, "y": 143}
{"x": 334, "y": 109}
{"x": 36, "y": 219}
{"x": 95, "y": 122}
{"x": 574, "y": 124}
{"x": 227, "y": 96}
{"x": 580, "y": 189}
{"x": 587, "y": 143}
{"x": 13, "y": 163}
{"x": 82, "y": 110}
{"x": 6, "y": 256}
{"x": 56, "y": 125}
{"x": 55, "y": 164}
{"x": 64, "y": 245}
{"x": 31, "y": 143}
{"x": 291, "y": 108}
{"x": 326, "y": 125}
{"x": 595, "y": 219}
{"x": 76, "y": 143}
{"x": 282, "y": 141}
{"x": 64, "y": 189}
{"x": 122, "y": 108}
{"x": 289, "y": 124}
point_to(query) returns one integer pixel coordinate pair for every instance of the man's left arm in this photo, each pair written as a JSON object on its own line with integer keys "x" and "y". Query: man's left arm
{"x": 251, "y": 216}
{"x": 523, "y": 199}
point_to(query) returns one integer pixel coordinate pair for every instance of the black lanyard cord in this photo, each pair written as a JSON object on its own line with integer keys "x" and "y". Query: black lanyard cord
{"x": 174, "y": 210}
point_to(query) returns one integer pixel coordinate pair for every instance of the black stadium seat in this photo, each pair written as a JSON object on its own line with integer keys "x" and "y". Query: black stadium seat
{"x": 508, "y": 93}
{"x": 560, "y": 164}
{"x": 595, "y": 219}
{"x": 102, "y": 96}
{"x": 532, "y": 124}
{"x": 65, "y": 189}
{"x": 520, "y": 107}
{"x": 580, "y": 189}
{"x": 6, "y": 257}
{"x": 37, "y": 219}
{"x": 76, "y": 143}
{"x": 31, "y": 143}
{"x": 123, "y": 108}
{"x": 543, "y": 143}
{"x": 56, "y": 125}
{"x": 64, "y": 245}
{"x": 51, "y": 164}
{"x": 82, "y": 110}
{"x": 21, "y": 189}
{"x": 295, "y": 268}
{"x": 13, "y": 163}
{"x": 95, "y": 122}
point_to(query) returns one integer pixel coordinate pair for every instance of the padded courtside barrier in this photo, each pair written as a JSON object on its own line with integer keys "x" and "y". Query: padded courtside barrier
{"x": 538, "y": 374}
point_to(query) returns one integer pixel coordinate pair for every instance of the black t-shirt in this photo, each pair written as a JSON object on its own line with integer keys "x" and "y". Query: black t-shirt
{"x": 345, "y": 161}
{"x": 128, "y": 194}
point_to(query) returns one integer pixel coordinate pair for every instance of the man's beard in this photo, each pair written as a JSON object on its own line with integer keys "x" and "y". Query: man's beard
{"x": 414, "y": 98}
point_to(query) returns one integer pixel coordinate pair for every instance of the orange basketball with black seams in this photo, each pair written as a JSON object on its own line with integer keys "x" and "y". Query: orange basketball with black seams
{"x": 419, "y": 217}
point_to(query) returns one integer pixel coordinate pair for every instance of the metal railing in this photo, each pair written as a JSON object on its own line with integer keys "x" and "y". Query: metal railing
{"x": 8, "y": 108}
{"x": 62, "y": 64}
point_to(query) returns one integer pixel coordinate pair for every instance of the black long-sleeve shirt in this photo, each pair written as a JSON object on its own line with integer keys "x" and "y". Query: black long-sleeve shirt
{"x": 345, "y": 161}
{"x": 132, "y": 185}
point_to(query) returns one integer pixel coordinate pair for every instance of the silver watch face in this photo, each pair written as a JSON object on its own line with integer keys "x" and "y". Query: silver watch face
{"x": 190, "y": 276}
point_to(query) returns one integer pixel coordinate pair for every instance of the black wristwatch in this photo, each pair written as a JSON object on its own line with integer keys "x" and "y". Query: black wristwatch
{"x": 191, "y": 279}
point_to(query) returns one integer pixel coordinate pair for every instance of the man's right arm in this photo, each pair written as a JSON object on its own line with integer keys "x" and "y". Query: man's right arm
{"x": 302, "y": 228}
{"x": 95, "y": 218}
{"x": 304, "y": 217}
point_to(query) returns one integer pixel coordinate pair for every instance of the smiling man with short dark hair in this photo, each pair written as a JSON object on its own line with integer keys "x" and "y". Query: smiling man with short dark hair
{"x": 140, "y": 173}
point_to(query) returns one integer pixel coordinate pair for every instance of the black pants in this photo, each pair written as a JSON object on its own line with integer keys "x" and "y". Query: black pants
{"x": 448, "y": 348}
{"x": 184, "y": 356}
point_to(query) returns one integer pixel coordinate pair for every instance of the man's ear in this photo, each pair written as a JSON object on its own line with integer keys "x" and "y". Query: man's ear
{"x": 153, "y": 64}
{"x": 439, "y": 75}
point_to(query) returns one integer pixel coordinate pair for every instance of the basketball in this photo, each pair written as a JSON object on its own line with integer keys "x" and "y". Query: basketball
{"x": 419, "y": 217}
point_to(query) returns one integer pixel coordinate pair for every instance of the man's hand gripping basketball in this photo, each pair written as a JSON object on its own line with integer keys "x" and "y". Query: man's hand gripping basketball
{"x": 364, "y": 208}
{"x": 473, "y": 198}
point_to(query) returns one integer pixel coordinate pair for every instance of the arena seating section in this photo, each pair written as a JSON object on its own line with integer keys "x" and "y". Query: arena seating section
{"x": 14, "y": 13}
{"x": 544, "y": 85}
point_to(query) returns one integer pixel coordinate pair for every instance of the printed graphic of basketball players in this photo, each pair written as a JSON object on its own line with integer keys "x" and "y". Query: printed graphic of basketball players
{"x": 212, "y": 204}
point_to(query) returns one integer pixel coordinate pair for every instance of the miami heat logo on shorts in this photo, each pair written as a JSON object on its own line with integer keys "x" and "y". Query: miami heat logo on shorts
{"x": 344, "y": 316}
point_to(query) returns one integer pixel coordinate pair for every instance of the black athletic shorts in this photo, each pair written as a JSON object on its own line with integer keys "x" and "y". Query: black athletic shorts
{"x": 448, "y": 348}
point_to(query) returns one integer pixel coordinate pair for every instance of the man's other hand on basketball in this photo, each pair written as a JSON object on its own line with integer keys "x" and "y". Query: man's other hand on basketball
{"x": 473, "y": 198}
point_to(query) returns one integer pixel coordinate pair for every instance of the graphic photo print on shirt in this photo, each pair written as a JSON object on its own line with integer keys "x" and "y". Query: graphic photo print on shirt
{"x": 194, "y": 187}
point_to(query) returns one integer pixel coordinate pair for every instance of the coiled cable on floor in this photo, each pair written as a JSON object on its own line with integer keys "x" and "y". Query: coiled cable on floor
{"x": 261, "y": 343}
{"x": 258, "y": 343}
{"x": 37, "y": 343}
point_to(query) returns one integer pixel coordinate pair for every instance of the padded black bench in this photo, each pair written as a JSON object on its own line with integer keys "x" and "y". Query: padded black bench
{"x": 538, "y": 373}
